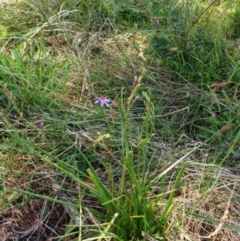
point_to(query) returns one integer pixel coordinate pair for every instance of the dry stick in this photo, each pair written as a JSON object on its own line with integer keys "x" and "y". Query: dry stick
{"x": 84, "y": 84}
{"x": 148, "y": 237}
{"x": 176, "y": 163}
{"x": 222, "y": 220}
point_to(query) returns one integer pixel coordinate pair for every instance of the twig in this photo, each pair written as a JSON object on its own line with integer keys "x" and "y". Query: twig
{"x": 222, "y": 220}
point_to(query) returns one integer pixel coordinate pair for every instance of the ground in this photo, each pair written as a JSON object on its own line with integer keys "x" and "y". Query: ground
{"x": 119, "y": 120}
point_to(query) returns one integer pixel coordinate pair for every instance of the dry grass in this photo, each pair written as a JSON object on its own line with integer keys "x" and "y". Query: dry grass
{"x": 212, "y": 208}
{"x": 205, "y": 205}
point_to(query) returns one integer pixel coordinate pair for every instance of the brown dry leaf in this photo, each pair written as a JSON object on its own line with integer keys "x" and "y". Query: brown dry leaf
{"x": 70, "y": 84}
{"x": 36, "y": 204}
{"x": 217, "y": 86}
{"x": 148, "y": 237}
{"x": 226, "y": 128}
{"x": 157, "y": 172}
{"x": 115, "y": 104}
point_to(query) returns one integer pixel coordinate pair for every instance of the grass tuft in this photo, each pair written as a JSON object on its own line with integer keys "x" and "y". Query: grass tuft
{"x": 161, "y": 161}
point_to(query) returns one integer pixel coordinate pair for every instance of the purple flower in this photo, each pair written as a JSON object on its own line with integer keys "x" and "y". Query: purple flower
{"x": 102, "y": 101}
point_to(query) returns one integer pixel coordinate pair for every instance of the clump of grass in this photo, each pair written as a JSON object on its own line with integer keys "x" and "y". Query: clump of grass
{"x": 122, "y": 166}
{"x": 194, "y": 46}
{"x": 195, "y": 50}
{"x": 21, "y": 79}
{"x": 123, "y": 191}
